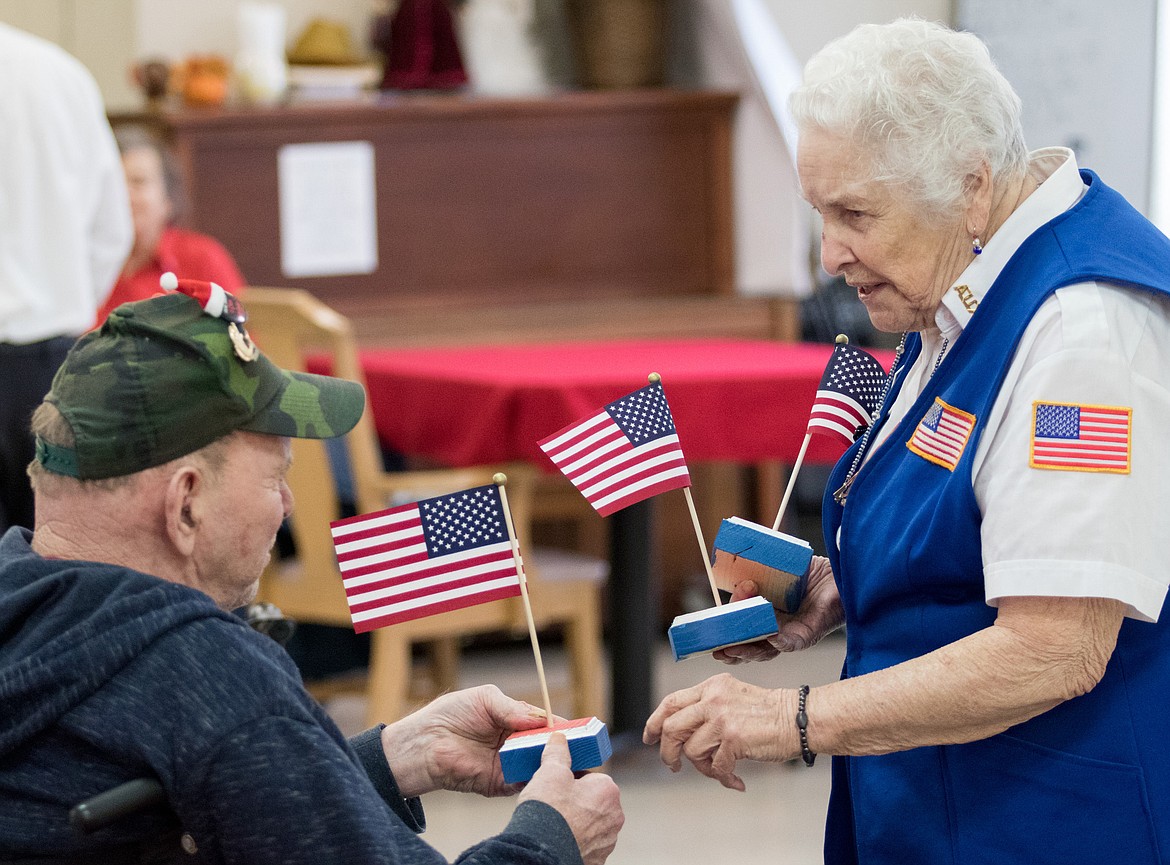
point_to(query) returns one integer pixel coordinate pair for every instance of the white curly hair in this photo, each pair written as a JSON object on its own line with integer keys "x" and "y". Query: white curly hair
{"x": 925, "y": 103}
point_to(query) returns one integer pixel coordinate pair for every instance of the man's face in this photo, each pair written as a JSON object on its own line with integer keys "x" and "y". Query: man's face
{"x": 247, "y": 499}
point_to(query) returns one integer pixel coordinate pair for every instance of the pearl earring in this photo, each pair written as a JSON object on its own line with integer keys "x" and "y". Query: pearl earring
{"x": 976, "y": 246}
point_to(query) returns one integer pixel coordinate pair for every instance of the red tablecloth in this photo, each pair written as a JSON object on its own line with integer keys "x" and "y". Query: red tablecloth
{"x": 738, "y": 400}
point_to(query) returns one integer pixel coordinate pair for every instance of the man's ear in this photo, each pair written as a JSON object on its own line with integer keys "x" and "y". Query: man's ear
{"x": 182, "y": 524}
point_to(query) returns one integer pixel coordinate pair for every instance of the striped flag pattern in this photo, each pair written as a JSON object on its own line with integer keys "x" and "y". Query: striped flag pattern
{"x": 942, "y": 434}
{"x": 1085, "y": 438}
{"x": 622, "y": 454}
{"x": 849, "y": 394}
{"x": 431, "y": 556}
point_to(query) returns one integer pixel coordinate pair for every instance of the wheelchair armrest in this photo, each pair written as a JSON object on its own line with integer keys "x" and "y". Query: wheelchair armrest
{"x": 104, "y": 808}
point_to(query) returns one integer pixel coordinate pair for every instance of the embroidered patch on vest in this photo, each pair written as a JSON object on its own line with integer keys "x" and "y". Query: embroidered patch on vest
{"x": 1080, "y": 438}
{"x": 942, "y": 434}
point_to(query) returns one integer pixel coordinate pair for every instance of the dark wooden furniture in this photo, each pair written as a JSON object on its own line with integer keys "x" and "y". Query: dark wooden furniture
{"x": 578, "y": 210}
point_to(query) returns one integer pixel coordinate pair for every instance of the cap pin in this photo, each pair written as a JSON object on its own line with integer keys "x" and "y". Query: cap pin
{"x": 217, "y": 303}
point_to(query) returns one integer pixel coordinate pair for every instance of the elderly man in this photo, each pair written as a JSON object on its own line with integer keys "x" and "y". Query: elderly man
{"x": 160, "y": 482}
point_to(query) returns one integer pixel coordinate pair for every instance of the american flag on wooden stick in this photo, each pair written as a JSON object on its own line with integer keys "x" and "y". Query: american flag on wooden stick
{"x": 622, "y": 454}
{"x": 849, "y": 394}
{"x": 438, "y": 554}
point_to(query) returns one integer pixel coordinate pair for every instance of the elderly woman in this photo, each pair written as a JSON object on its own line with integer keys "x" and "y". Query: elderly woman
{"x": 994, "y": 542}
{"x": 155, "y": 185}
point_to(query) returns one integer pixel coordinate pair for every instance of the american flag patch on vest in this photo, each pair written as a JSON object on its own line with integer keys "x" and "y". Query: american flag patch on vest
{"x": 942, "y": 434}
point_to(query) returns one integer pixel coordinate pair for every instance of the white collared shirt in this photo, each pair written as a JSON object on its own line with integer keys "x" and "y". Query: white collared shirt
{"x": 1067, "y": 533}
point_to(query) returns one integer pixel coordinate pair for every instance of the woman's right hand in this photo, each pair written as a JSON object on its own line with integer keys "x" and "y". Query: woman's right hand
{"x": 820, "y": 613}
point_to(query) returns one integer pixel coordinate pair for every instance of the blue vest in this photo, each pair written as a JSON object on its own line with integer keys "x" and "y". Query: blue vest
{"x": 1088, "y": 781}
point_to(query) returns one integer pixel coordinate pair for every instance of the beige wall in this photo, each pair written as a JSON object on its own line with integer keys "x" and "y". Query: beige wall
{"x": 100, "y": 34}
{"x": 109, "y": 35}
{"x": 809, "y": 26}
{"x": 773, "y": 234}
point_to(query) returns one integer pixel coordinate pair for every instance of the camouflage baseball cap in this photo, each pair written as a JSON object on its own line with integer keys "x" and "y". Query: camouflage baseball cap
{"x": 162, "y": 378}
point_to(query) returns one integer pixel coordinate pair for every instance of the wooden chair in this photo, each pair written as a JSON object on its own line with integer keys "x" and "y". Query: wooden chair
{"x": 289, "y": 325}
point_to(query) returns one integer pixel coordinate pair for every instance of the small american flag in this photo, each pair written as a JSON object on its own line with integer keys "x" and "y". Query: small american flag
{"x": 1080, "y": 438}
{"x": 431, "y": 556}
{"x": 849, "y": 394}
{"x": 942, "y": 434}
{"x": 626, "y": 452}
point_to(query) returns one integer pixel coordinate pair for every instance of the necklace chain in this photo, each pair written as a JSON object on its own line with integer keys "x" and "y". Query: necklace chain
{"x": 842, "y": 492}
{"x": 938, "y": 360}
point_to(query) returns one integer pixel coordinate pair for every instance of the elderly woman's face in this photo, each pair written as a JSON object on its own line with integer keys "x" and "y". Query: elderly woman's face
{"x": 900, "y": 263}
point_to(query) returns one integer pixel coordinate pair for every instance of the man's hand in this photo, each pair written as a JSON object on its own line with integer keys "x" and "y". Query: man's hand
{"x": 720, "y": 721}
{"x": 453, "y": 742}
{"x": 820, "y": 613}
{"x": 591, "y": 804}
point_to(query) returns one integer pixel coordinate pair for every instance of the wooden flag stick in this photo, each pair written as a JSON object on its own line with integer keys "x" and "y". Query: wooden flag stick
{"x": 841, "y": 339}
{"x": 791, "y": 482}
{"x": 500, "y": 480}
{"x": 652, "y": 378}
{"x": 703, "y": 547}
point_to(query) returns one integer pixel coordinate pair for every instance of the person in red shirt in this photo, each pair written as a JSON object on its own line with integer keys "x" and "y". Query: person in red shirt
{"x": 159, "y": 245}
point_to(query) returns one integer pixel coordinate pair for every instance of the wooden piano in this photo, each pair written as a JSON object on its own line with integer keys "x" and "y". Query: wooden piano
{"x": 600, "y": 213}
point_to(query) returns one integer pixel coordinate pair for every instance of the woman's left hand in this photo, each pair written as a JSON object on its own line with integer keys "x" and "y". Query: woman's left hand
{"x": 820, "y": 614}
{"x": 721, "y": 721}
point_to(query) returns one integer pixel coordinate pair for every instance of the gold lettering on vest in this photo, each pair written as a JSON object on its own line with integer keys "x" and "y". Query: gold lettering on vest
{"x": 970, "y": 303}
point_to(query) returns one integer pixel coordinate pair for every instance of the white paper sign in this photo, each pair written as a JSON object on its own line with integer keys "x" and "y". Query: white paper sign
{"x": 328, "y": 219}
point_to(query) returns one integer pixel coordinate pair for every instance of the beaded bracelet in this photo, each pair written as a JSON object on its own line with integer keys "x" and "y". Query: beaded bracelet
{"x": 802, "y": 727}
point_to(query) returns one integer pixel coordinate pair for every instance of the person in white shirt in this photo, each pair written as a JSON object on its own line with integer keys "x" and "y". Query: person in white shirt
{"x": 65, "y": 231}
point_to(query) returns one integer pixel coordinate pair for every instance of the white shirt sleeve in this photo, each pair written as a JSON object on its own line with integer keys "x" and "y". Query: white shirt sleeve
{"x": 1081, "y": 533}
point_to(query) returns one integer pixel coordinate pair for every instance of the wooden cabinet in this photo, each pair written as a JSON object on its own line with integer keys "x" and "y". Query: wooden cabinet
{"x": 485, "y": 203}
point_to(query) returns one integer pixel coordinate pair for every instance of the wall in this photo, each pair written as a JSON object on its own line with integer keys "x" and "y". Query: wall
{"x": 1085, "y": 73}
{"x": 808, "y": 26}
{"x": 773, "y": 234}
{"x": 100, "y": 34}
{"x": 110, "y": 35}
{"x": 175, "y": 28}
